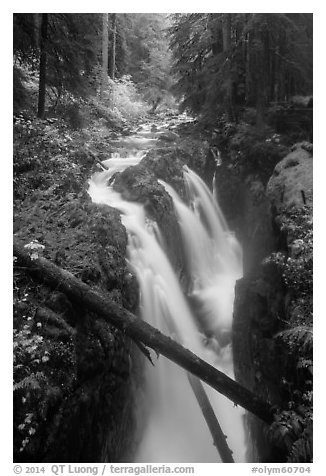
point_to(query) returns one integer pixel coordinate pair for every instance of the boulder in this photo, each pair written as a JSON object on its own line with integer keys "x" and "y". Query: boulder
{"x": 169, "y": 136}
{"x": 291, "y": 183}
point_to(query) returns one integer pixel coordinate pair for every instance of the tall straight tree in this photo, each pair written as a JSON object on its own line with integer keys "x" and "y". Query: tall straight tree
{"x": 114, "y": 40}
{"x": 105, "y": 52}
{"x": 224, "y": 61}
{"x": 42, "y": 73}
{"x": 226, "y": 31}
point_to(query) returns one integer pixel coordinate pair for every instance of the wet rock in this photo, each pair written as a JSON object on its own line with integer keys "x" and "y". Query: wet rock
{"x": 292, "y": 181}
{"x": 139, "y": 183}
{"x": 275, "y": 293}
{"x": 167, "y": 164}
{"x": 169, "y": 136}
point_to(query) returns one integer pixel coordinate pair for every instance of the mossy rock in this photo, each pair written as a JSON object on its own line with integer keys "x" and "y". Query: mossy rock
{"x": 140, "y": 184}
{"x": 291, "y": 185}
{"x": 71, "y": 371}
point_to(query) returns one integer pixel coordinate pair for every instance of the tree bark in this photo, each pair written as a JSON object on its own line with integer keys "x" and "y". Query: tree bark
{"x": 42, "y": 75}
{"x": 226, "y": 31}
{"x": 36, "y": 21}
{"x": 105, "y": 52}
{"x": 219, "y": 438}
{"x": 114, "y": 40}
{"x": 141, "y": 331}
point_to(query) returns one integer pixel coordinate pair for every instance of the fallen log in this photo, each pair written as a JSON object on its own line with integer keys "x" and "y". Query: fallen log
{"x": 219, "y": 439}
{"x": 140, "y": 331}
{"x": 96, "y": 159}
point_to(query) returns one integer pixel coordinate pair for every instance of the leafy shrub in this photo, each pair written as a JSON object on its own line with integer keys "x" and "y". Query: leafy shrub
{"x": 298, "y": 339}
{"x": 298, "y": 269}
{"x": 254, "y": 151}
{"x": 294, "y": 431}
{"x": 121, "y": 101}
{"x": 74, "y": 116}
{"x": 19, "y": 89}
{"x": 39, "y": 374}
{"x": 297, "y": 263}
{"x": 293, "y": 426}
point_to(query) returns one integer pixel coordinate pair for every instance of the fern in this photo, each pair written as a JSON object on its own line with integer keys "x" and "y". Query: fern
{"x": 298, "y": 338}
{"x": 293, "y": 432}
{"x": 31, "y": 382}
{"x": 302, "y": 449}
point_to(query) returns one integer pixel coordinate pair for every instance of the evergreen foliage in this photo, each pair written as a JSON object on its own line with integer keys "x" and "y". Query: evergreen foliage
{"x": 68, "y": 60}
{"x": 227, "y": 68}
{"x": 225, "y": 61}
{"x": 72, "y": 48}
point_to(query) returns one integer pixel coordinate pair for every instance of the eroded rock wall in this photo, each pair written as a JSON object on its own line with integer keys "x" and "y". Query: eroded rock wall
{"x": 273, "y": 297}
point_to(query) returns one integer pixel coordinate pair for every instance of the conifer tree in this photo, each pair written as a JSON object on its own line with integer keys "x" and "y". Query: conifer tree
{"x": 105, "y": 49}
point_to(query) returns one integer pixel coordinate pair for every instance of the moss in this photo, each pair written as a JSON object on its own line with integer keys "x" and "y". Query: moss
{"x": 291, "y": 183}
{"x": 273, "y": 315}
{"x": 71, "y": 371}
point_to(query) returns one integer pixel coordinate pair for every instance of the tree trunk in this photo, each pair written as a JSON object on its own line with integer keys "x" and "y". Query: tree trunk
{"x": 248, "y": 72}
{"x": 261, "y": 66}
{"x": 260, "y": 106}
{"x": 219, "y": 438}
{"x": 36, "y": 21}
{"x": 42, "y": 75}
{"x": 226, "y": 30}
{"x": 141, "y": 331}
{"x": 105, "y": 52}
{"x": 114, "y": 40}
{"x": 156, "y": 102}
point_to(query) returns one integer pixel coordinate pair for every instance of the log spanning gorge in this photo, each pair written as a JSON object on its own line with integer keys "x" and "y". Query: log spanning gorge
{"x": 198, "y": 316}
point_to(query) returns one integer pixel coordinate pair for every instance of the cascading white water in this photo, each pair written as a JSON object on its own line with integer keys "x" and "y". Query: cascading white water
{"x": 213, "y": 255}
{"x": 176, "y": 430}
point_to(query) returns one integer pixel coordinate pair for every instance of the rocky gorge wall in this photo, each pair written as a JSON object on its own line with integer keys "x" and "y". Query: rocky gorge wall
{"x": 273, "y": 300}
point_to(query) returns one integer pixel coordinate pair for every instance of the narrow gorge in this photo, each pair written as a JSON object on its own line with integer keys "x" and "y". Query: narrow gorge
{"x": 163, "y": 235}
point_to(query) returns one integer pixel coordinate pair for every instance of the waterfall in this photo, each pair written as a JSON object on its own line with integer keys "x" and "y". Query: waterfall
{"x": 176, "y": 430}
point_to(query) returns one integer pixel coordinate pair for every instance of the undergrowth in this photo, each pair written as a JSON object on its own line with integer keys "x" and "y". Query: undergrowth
{"x": 43, "y": 367}
{"x": 293, "y": 426}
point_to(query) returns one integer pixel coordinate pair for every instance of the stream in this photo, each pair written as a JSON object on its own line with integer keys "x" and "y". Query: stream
{"x": 175, "y": 429}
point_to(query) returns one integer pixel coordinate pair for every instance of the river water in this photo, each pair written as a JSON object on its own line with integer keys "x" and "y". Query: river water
{"x": 176, "y": 430}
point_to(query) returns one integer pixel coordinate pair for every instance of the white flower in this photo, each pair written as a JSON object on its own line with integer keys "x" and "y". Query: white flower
{"x": 34, "y": 247}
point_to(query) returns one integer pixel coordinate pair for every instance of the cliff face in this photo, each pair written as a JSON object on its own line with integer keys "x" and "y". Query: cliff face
{"x": 273, "y": 305}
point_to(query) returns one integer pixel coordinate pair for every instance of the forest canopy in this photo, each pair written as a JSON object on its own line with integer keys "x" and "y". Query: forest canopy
{"x": 226, "y": 96}
{"x": 213, "y": 63}
{"x": 225, "y": 61}
{"x": 65, "y": 51}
